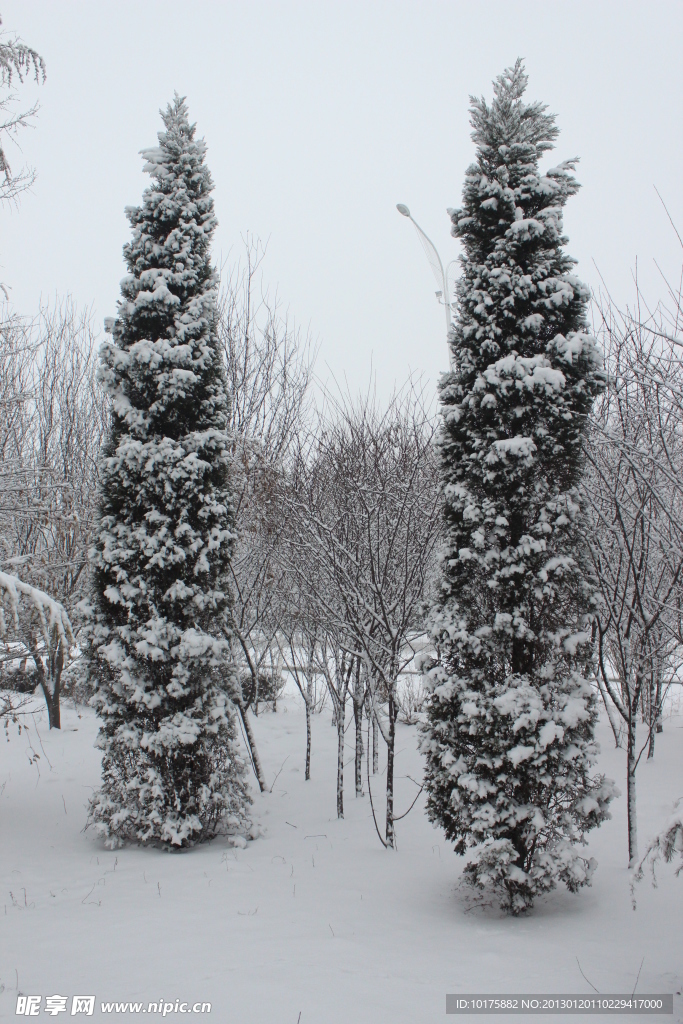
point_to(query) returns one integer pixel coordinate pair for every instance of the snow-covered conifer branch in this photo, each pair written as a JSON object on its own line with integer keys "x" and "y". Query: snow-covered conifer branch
{"x": 665, "y": 845}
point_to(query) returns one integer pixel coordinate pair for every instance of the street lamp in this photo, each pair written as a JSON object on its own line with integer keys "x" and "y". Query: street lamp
{"x": 437, "y": 269}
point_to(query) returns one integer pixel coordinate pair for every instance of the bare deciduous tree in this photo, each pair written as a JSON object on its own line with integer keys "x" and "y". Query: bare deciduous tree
{"x": 49, "y": 441}
{"x": 365, "y": 519}
{"x": 269, "y": 371}
{"x": 16, "y": 62}
{"x": 634, "y": 484}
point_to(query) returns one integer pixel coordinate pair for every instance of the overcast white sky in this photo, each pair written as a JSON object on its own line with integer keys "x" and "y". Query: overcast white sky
{"x": 319, "y": 118}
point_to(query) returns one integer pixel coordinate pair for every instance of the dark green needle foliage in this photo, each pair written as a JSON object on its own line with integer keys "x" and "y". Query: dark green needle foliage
{"x": 509, "y": 738}
{"x": 171, "y": 769}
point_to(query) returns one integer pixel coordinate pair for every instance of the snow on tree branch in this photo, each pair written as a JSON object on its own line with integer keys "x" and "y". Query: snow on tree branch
{"x": 50, "y": 613}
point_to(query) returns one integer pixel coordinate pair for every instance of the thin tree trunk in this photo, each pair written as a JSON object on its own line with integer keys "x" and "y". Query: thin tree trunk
{"x": 655, "y": 713}
{"x": 276, "y": 673}
{"x": 54, "y": 676}
{"x": 307, "y": 774}
{"x": 358, "y": 722}
{"x": 54, "y": 716}
{"x": 631, "y": 793}
{"x": 375, "y": 744}
{"x": 253, "y": 750}
{"x": 390, "y": 837}
{"x": 256, "y": 690}
{"x": 612, "y": 717}
{"x": 659, "y": 724}
{"x": 651, "y": 717}
{"x": 308, "y": 699}
{"x": 340, "y": 764}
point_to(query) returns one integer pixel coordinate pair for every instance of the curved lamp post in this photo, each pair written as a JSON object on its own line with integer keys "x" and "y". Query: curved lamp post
{"x": 437, "y": 269}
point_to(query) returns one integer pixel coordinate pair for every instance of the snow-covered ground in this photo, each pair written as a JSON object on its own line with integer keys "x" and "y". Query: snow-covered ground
{"x": 313, "y": 922}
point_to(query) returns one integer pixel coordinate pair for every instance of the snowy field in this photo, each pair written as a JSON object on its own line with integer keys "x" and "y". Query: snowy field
{"x": 312, "y": 922}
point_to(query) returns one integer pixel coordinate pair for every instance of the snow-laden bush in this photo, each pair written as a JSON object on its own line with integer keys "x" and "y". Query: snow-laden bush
{"x": 411, "y": 699}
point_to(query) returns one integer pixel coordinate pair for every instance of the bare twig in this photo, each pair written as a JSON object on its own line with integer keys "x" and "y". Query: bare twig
{"x": 585, "y": 978}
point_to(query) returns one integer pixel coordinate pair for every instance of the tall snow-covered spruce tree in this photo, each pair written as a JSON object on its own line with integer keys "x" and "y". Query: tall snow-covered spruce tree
{"x": 172, "y": 773}
{"x": 509, "y": 735}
